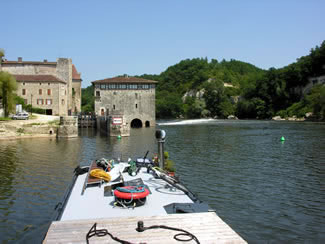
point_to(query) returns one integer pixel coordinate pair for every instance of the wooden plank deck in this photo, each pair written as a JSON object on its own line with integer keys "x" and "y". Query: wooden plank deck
{"x": 207, "y": 227}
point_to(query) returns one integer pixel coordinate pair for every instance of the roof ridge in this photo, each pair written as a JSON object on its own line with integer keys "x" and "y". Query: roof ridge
{"x": 38, "y": 78}
{"x": 123, "y": 79}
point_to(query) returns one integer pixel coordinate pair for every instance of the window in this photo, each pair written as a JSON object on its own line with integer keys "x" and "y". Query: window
{"x": 40, "y": 101}
{"x": 62, "y": 101}
{"x": 23, "y": 83}
{"x": 40, "y": 83}
{"x": 49, "y": 92}
{"x": 103, "y": 86}
{"x": 40, "y": 91}
{"x": 97, "y": 93}
{"x": 24, "y": 92}
{"x": 49, "y": 83}
{"x": 136, "y": 105}
{"x": 112, "y": 86}
{"x": 48, "y": 101}
{"x": 114, "y": 107}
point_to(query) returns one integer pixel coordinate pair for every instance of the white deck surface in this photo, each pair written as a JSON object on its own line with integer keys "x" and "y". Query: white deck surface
{"x": 93, "y": 204}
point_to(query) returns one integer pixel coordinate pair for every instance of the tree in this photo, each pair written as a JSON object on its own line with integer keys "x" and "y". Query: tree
{"x": 87, "y": 99}
{"x": 2, "y": 54}
{"x": 168, "y": 105}
{"x": 194, "y": 108}
{"x": 317, "y": 101}
{"x": 7, "y": 87}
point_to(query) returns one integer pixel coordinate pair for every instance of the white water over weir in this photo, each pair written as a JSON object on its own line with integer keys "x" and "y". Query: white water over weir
{"x": 187, "y": 122}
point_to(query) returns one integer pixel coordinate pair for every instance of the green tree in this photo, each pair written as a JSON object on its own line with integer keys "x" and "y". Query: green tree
{"x": 87, "y": 99}
{"x": 7, "y": 87}
{"x": 2, "y": 54}
{"x": 316, "y": 99}
{"x": 168, "y": 105}
{"x": 194, "y": 108}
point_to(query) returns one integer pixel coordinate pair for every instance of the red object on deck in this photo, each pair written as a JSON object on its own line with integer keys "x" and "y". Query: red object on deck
{"x": 131, "y": 195}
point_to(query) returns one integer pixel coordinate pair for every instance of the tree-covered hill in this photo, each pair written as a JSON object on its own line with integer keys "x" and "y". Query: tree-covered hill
{"x": 196, "y": 88}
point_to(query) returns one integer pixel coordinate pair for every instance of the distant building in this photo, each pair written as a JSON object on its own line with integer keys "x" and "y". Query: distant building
{"x": 53, "y": 86}
{"x": 131, "y": 98}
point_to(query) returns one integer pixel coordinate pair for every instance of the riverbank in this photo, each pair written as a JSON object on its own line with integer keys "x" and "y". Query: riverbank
{"x": 38, "y": 126}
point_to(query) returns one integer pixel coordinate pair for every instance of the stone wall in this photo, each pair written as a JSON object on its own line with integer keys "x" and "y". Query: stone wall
{"x": 132, "y": 104}
{"x": 68, "y": 126}
{"x": 30, "y": 69}
{"x": 76, "y": 96}
{"x": 61, "y": 94}
{"x": 40, "y": 129}
{"x": 32, "y": 94}
{"x": 64, "y": 72}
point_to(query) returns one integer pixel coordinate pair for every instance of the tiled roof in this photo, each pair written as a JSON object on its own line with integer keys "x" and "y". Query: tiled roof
{"x": 75, "y": 74}
{"x": 38, "y": 78}
{"x": 123, "y": 79}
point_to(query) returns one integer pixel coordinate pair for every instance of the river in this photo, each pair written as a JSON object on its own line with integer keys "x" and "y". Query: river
{"x": 265, "y": 189}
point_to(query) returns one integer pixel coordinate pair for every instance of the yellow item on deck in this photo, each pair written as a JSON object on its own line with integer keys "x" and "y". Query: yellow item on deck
{"x": 101, "y": 174}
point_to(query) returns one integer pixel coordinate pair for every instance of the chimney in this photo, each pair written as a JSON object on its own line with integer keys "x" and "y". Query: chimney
{"x": 45, "y": 60}
{"x": 20, "y": 59}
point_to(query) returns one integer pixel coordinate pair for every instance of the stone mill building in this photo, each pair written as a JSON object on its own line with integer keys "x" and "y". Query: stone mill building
{"x": 52, "y": 86}
{"x": 128, "y": 101}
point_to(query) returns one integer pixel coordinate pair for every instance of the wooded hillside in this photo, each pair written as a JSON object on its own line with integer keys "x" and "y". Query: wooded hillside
{"x": 196, "y": 88}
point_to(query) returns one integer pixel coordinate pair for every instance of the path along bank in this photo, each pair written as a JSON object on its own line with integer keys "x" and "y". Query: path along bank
{"x": 38, "y": 126}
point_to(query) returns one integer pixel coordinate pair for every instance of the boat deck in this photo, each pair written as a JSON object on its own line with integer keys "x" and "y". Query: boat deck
{"x": 96, "y": 202}
{"x": 207, "y": 227}
{"x": 165, "y": 205}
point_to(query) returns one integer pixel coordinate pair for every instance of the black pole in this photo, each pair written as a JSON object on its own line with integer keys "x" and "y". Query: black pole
{"x": 31, "y": 103}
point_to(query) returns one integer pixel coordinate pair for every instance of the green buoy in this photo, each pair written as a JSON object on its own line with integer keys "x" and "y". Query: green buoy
{"x": 282, "y": 138}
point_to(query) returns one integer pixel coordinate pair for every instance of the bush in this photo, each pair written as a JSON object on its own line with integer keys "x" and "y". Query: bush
{"x": 35, "y": 110}
{"x": 4, "y": 118}
{"x": 282, "y": 114}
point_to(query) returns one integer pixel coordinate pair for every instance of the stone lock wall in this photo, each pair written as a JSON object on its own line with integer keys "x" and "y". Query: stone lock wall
{"x": 68, "y": 126}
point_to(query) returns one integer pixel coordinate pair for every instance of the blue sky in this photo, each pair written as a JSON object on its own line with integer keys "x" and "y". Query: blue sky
{"x": 109, "y": 38}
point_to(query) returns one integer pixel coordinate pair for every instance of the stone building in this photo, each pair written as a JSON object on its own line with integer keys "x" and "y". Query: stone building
{"x": 53, "y": 86}
{"x": 127, "y": 100}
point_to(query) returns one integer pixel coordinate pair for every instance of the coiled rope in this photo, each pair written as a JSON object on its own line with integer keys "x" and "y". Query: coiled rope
{"x": 103, "y": 232}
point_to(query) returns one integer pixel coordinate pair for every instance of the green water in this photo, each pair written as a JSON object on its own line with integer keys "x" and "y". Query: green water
{"x": 265, "y": 189}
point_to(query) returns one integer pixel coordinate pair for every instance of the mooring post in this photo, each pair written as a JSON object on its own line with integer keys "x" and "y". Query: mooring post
{"x": 160, "y": 136}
